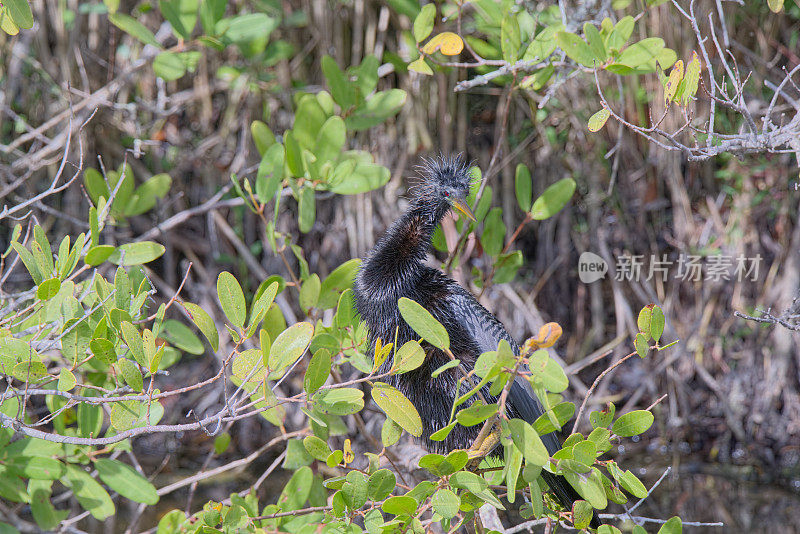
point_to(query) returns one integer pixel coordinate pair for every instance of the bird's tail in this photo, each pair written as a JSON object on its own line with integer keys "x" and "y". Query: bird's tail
{"x": 567, "y": 494}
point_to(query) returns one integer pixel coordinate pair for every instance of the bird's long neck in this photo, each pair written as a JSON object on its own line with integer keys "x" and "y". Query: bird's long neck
{"x": 402, "y": 249}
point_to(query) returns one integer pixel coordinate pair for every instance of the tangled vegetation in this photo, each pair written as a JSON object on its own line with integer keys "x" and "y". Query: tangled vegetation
{"x": 185, "y": 211}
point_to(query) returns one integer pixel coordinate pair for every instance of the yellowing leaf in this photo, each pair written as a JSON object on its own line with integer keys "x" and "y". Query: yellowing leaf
{"x": 6, "y": 24}
{"x": 598, "y": 120}
{"x": 691, "y": 80}
{"x": 775, "y": 5}
{"x": 448, "y": 43}
{"x": 548, "y": 335}
{"x": 348, "y": 452}
{"x": 419, "y": 65}
{"x": 674, "y": 79}
{"x": 397, "y": 407}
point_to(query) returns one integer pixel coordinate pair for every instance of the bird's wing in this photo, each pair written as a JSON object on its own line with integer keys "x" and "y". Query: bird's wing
{"x": 487, "y": 332}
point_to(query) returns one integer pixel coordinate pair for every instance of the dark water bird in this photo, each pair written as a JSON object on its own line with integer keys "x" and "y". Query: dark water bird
{"x": 396, "y": 268}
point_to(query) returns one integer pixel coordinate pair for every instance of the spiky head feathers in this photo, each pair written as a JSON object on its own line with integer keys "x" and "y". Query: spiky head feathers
{"x": 442, "y": 177}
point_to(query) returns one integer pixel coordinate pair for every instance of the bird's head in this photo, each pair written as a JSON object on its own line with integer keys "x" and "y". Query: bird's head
{"x": 444, "y": 184}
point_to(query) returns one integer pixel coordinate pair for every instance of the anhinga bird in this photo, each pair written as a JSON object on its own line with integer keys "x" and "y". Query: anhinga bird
{"x": 395, "y": 268}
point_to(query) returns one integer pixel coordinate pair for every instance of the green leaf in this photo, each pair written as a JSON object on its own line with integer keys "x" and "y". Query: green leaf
{"x": 445, "y": 367}
{"x": 20, "y": 12}
{"x": 103, "y": 350}
{"x": 657, "y": 323}
{"x": 133, "y": 27}
{"x": 351, "y": 177}
{"x": 262, "y": 136}
{"x": 182, "y": 337}
{"x": 231, "y": 298}
{"x": 423, "y": 23}
{"x": 306, "y": 209}
{"x": 48, "y": 289}
{"x": 621, "y": 33}
{"x": 66, "y": 380}
{"x": 553, "y": 377}
{"x": 602, "y": 418}
{"x": 36, "y": 467}
{"x": 12, "y": 488}
{"x": 340, "y": 401}
{"x": 513, "y": 460}
{"x": 390, "y": 432}
{"x": 98, "y": 254}
{"x": 423, "y": 323}
{"x": 318, "y": 371}
{"x": 543, "y": 44}
{"x": 91, "y": 495}
{"x": 249, "y": 365}
{"x": 270, "y": 173}
{"x": 294, "y": 156}
{"x": 522, "y": 187}
{"x": 381, "y": 484}
{"x": 562, "y": 412}
{"x": 136, "y": 253}
{"x": 641, "y": 345}
{"x": 397, "y": 407}
{"x": 335, "y": 283}
{"x": 476, "y": 414}
{"x": 131, "y": 374}
{"x": 181, "y": 14}
{"x": 204, "y": 323}
{"x": 494, "y": 232}
{"x": 468, "y": 481}
{"x": 308, "y": 122}
{"x": 674, "y": 525}
{"x": 553, "y": 199}
{"x": 576, "y": 48}
{"x": 632, "y": 485}
{"x": 169, "y": 66}
{"x": 377, "y": 109}
{"x": 598, "y": 120}
{"x": 126, "y": 481}
{"x": 527, "y": 440}
{"x": 399, "y": 505}
{"x": 582, "y": 514}
{"x": 246, "y": 28}
{"x": 44, "y": 513}
{"x": 589, "y": 485}
{"x": 408, "y": 357}
{"x": 442, "y": 433}
{"x": 510, "y": 38}
{"x": 595, "y": 41}
{"x": 317, "y": 448}
{"x": 445, "y": 503}
{"x": 30, "y": 264}
{"x": 342, "y": 90}
{"x": 632, "y": 423}
{"x": 330, "y": 140}
{"x": 297, "y": 490}
{"x": 289, "y": 346}
{"x": 641, "y": 53}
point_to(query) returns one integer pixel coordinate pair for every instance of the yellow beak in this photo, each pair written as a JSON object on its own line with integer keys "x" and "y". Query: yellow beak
{"x": 461, "y": 205}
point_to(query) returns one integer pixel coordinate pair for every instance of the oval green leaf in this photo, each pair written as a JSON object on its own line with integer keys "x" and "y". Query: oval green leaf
{"x": 424, "y": 323}
{"x": 553, "y": 199}
{"x": 397, "y": 407}
{"x": 632, "y": 423}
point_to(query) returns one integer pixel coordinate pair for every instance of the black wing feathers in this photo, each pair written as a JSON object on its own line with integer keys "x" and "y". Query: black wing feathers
{"x": 486, "y": 331}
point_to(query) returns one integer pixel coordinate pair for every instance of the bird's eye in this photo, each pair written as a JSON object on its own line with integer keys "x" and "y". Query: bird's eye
{"x": 447, "y": 193}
